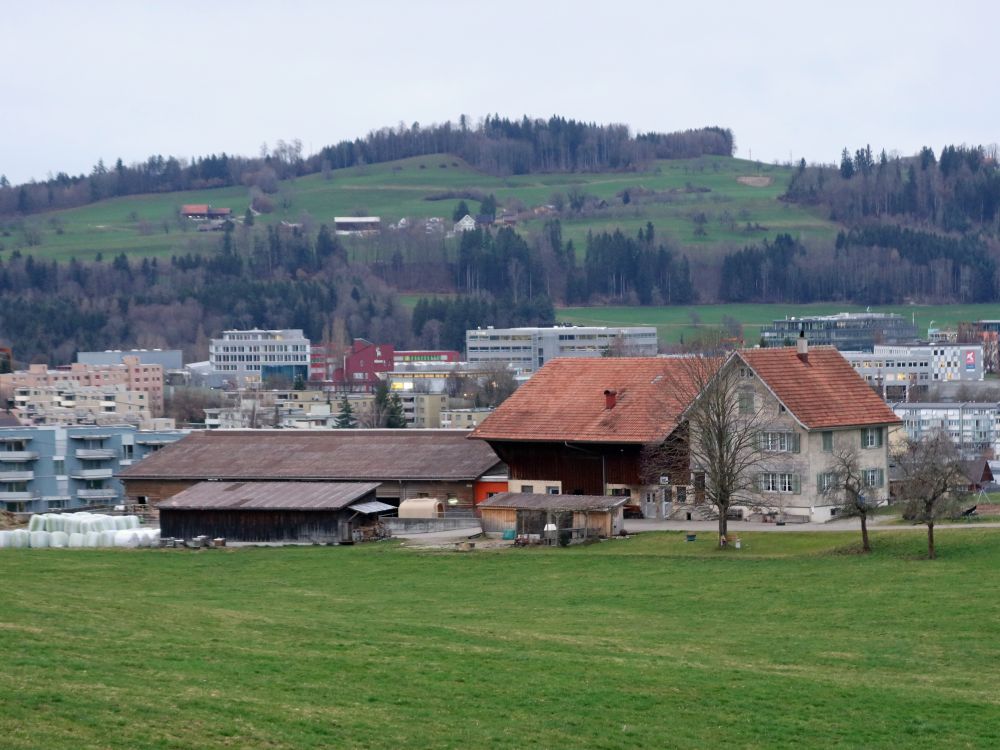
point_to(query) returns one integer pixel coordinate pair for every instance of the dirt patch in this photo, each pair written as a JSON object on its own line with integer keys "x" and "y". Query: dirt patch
{"x": 9, "y": 521}
{"x": 754, "y": 180}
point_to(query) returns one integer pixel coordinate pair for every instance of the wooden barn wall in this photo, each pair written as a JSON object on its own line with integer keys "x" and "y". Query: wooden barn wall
{"x": 581, "y": 469}
{"x": 496, "y": 520}
{"x": 250, "y": 526}
{"x": 155, "y": 489}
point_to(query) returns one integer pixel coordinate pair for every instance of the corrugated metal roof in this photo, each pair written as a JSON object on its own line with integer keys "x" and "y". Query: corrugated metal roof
{"x": 357, "y": 455}
{"x": 565, "y": 400}
{"x": 270, "y": 496}
{"x": 529, "y": 501}
{"x": 373, "y": 506}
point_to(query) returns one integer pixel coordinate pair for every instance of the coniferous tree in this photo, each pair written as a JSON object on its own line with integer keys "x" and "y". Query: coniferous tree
{"x": 345, "y": 419}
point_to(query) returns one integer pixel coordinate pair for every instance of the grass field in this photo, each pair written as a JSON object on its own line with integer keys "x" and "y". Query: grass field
{"x": 647, "y": 642}
{"x": 676, "y": 323}
{"x": 147, "y": 224}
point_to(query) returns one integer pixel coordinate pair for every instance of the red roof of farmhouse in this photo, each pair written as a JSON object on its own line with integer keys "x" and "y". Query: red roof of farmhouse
{"x": 821, "y": 390}
{"x": 565, "y": 401}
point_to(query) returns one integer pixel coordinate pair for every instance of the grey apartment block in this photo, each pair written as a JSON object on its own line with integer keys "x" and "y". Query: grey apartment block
{"x": 527, "y": 349}
{"x": 168, "y": 359}
{"x": 896, "y": 371}
{"x": 854, "y": 331}
{"x": 54, "y": 467}
{"x": 973, "y": 426}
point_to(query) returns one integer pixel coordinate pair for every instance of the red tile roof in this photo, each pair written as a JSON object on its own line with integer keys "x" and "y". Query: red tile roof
{"x": 194, "y": 208}
{"x": 822, "y": 391}
{"x": 565, "y": 401}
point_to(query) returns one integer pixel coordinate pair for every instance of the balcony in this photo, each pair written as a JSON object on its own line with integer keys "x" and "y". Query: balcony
{"x": 92, "y": 473}
{"x": 18, "y": 457}
{"x": 17, "y": 496}
{"x": 94, "y": 454}
{"x": 104, "y": 494}
{"x": 16, "y": 476}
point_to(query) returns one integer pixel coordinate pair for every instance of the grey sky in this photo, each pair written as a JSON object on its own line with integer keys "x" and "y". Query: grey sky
{"x": 101, "y": 80}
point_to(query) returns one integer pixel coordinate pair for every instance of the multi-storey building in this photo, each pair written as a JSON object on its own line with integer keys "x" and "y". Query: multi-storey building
{"x": 251, "y": 356}
{"x": 973, "y": 426}
{"x": 528, "y": 349}
{"x": 897, "y": 371}
{"x": 464, "y": 419}
{"x": 55, "y": 467}
{"x": 74, "y": 404}
{"x": 168, "y": 359}
{"x": 131, "y": 373}
{"x": 848, "y": 331}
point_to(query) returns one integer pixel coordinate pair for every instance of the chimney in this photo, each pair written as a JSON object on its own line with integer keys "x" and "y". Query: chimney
{"x": 610, "y": 399}
{"x": 802, "y": 347}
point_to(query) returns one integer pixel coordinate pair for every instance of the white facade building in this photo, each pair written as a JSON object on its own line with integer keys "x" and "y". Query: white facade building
{"x": 894, "y": 370}
{"x": 247, "y": 356}
{"x": 973, "y": 426}
{"x": 527, "y": 349}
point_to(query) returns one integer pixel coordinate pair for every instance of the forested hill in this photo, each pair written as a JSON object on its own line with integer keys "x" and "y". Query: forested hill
{"x": 497, "y": 146}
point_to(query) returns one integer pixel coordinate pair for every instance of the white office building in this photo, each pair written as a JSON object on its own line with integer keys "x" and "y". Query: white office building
{"x": 896, "y": 370}
{"x": 250, "y": 356}
{"x": 973, "y": 426}
{"x": 527, "y": 349}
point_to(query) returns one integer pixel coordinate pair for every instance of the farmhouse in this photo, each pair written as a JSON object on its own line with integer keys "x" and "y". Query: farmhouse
{"x": 202, "y": 211}
{"x": 321, "y": 512}
{"x": 810, "y": 406}
{"x": 357, "y": 225}
{"x": 403, "y": 463}
{"x": 545, "y": 516}
{"x": 578, "y": 427}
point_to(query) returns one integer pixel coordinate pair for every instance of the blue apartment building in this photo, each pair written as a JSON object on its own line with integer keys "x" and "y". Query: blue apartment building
{"x": 52, "y": 467}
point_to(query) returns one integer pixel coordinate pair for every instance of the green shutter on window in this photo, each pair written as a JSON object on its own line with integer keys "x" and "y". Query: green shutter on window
{"x": 819, "y": 483}
{"x": 878, "y": 436}
{"x": 795, "y": 442}
{"x": 796, "y": 484}
{"x": 863, "y": 431}
{"x": 760, "y": 482}
{"x": 881, "y": 478}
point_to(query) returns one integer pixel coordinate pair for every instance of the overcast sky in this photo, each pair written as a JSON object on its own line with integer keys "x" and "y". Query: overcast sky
{"x": 105, "y": 80}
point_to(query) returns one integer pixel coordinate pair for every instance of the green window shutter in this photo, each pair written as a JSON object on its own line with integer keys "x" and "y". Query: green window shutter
{"x": 863, "y": 437}
{"x": 796, "y": 484}
{"x": 760, "y": 440}
{"x": 760, "y": 482}
{"x": 878, "y": 436}
{"x": 819, "y": 482}
{"x": 796, "y": 442}
{"x": 881, "y": 478}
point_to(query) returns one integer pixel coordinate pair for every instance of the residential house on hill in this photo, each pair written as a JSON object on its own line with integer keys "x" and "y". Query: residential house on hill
{"x": 405, "y": 463}
{"x": 579, "y": 426}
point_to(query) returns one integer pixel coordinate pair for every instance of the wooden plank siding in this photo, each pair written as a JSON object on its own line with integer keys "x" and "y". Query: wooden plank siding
{"x": 252, "y": 525}
{"x": 498, "y": 520}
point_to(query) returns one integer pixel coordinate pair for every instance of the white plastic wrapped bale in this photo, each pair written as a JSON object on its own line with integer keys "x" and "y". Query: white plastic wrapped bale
{"x": 53, "y": 522}
{"x": 107, "y": 538}
{"x": 19, "y": 538}
{"x": 76, "y": 539}
{"x": 58, "y": 539}
{"x": 132, "y": 521}
{"x": 93, "y": 539}
{"x": 36, "y": 523}
{"x": 120, "y": 523}
{"x": 39, "y": 539}
{"x": 126, "y": 538}
{"x": 4, "y": 538}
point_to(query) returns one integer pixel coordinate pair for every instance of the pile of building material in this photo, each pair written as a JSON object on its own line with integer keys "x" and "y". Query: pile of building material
{"x": 80, "y": 530}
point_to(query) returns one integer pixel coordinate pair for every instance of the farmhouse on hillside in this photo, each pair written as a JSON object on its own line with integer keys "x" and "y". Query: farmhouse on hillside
{"x": 403, "y": 463}
{"x": 579, "y": 426}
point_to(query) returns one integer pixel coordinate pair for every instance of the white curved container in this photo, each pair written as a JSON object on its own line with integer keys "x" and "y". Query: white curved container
{"x": 19, "y": 538}
{"x": 76, "y": 540}
{"x": 93, "y": 539}
{"x": 133, "y": 522}
{"x": 36, "y": 523}
{"x": 126, "y": 538}
{"x": 4, "y": 538}
{"x": 39, "y": 539}
{"x": 58, "y": 539}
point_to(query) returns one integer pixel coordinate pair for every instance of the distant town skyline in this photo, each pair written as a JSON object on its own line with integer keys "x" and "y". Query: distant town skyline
{"x": 120, "y": 80}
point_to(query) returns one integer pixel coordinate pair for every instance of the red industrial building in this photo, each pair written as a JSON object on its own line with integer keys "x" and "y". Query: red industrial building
{"x": 357, "y": 369}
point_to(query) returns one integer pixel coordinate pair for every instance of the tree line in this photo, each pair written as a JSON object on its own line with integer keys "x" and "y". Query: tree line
{"x": 496, "y": 145}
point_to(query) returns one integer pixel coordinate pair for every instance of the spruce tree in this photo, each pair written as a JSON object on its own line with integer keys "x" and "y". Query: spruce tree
{"x": 345, "y": 419}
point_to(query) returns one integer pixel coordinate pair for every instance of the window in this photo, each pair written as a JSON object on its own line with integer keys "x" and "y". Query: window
{"x": 871, "y": 437}
{"x": 828, "y": 442}
{"x": 549, "y": 490}
{"x": 779, "y": 482}
{"x": 874, "y": 477}
{"x": 779, "y": 442}
{"x": 746, "y": 402}
{"x": 59, "y": 466}
{"x": 826, "y": 481}
{"x": 528, "y": 488}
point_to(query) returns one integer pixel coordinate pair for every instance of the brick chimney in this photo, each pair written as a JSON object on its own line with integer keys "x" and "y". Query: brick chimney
{"x": 802, "y": 347}
{"x": 610, "y": 399}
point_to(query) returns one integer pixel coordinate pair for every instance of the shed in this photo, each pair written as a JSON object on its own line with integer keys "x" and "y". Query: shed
{"x": 320, "y": 512}
{"x": 585, "y": 516}
{"x": 421, "y": 507}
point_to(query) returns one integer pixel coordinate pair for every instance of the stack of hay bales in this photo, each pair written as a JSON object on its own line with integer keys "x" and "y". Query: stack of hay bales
{"x": 80, "y": 530}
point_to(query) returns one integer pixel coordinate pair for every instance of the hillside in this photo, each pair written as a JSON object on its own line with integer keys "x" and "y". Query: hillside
{"x": 731, "y": 193}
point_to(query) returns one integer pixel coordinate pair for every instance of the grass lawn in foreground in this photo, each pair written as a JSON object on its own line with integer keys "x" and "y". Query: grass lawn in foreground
{"x": 647, "y": 642}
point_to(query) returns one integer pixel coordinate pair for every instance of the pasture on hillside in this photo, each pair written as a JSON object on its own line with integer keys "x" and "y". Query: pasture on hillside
{"x": 793, "y": 641}
{"x": 684, "y": 323}
{"x": 738, "y": 198}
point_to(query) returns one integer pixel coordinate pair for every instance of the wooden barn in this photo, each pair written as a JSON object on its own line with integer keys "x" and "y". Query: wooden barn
{"x": 580, "y": 427}
{"x": 407, "y": 463}
{"x": 545, "y": 516}
{"x": 319, "y": 512}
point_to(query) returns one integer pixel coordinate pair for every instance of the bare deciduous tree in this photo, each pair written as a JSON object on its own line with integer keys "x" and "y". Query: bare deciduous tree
{"x": 933, "y": 481}
{"x": 846, "y": 486}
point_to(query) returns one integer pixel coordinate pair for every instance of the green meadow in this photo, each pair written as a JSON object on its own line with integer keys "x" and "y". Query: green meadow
{"x": 667, "y": 193}
{"x": 675, "y": 324}
{"x": 794, "y": 641}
